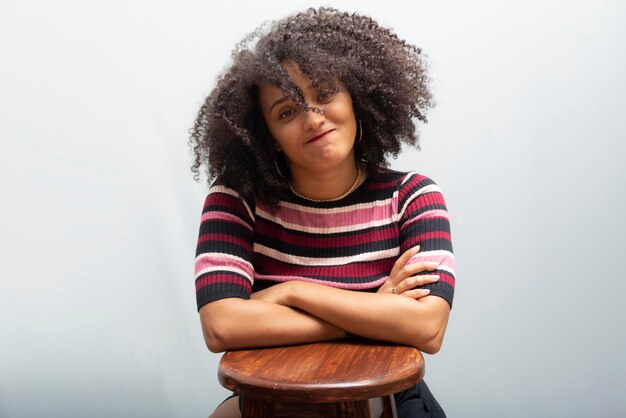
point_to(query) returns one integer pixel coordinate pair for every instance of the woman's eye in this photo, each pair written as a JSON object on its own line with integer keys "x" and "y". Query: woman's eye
{"x": 325, "y": 95}
{"x": 284, "y": 114}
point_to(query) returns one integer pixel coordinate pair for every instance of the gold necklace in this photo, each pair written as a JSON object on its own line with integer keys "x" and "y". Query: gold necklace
{"x": 332, "y": 199}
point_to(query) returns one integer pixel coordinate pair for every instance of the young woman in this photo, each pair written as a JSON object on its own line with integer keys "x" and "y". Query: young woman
{"x": 305, "y": 236}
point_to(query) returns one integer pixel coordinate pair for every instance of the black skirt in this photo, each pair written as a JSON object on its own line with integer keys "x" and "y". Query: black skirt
{"x": 418, "y": 402}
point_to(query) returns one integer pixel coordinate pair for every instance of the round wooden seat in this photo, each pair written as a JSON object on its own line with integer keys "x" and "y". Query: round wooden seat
{"x": 343, "y": 372}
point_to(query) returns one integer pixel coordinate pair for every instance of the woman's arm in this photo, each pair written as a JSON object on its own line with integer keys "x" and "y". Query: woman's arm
{"x": 419, "y": 323}
{"x": 264, "y": 321}
{"x": 235, "y": 323}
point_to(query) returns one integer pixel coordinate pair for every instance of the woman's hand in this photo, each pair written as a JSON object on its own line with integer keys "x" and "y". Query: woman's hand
{"x": 403, "y": 278}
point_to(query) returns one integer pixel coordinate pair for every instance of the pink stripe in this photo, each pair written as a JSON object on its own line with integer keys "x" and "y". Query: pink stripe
{"x": 443, "y": 259}
{"x": 209, "y": 260}
{"x": 223, "y": 216}
{"x": 334, "y": 220}
{"x": 368, "y": 285}
{"x": 436, "y": 213}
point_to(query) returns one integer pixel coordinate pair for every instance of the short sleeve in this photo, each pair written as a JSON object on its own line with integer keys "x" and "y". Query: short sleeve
{"x": 223, "y": 265}
{"x": 424, "y": 221}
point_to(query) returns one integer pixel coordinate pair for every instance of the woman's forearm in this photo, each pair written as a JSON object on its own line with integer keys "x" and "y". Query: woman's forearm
{"x": 300, "y": 312}
{"x": 235, "y": 323}
{"x": 420, "y": 323}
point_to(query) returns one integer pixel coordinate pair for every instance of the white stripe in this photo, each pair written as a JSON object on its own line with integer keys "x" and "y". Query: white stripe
{"x": 331, "y": 230}
{"x": 327, "y": 211}
{"x": 408, "y": 176}
{"x": 233, "y": 193}
{"x": 224, "y": 268}
{"x": 224, "y": 190}
{"x": 326, "y": 261}
{"x": 228, "y": 257}
{"x": 223, "y": 255}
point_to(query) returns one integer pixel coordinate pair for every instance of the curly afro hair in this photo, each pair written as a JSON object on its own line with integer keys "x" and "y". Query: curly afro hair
{"x": 385, "y": 76}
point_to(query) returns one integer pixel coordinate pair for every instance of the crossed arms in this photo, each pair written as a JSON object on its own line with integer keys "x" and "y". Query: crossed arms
{"x": 299, "y": 312}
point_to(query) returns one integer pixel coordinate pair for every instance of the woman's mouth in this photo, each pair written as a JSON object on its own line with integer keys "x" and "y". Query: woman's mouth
{"x": 320, "y": 136}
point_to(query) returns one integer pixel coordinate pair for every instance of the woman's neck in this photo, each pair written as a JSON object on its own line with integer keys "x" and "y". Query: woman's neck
{"x": 329, "y": 185}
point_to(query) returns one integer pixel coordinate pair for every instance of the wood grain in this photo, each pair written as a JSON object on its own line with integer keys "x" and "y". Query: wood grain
{"x": 343, "y": 370}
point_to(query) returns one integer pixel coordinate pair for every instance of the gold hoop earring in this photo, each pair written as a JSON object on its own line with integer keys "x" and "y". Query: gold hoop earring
{"x": 276, "y": 165}
{"x": 360, "y": 131}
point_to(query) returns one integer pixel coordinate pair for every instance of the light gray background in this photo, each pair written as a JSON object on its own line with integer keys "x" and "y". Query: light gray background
{"x": 99, "y": 213}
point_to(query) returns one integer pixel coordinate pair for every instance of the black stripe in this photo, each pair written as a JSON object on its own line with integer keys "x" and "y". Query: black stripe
{"x": 325, "y": 252}
{"x": 221, "y": 290}
{"x": 218, "y": 226}
{"x": 223, "y": 247}
{"x": 426, "y": 225}
{"x": 314, "y": 235}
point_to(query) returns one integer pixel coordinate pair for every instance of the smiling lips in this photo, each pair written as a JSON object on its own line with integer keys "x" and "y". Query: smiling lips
{"x": 320, "y": 136}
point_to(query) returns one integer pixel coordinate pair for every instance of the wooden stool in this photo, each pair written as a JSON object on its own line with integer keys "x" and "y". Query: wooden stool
{"x": 344, "y": 378}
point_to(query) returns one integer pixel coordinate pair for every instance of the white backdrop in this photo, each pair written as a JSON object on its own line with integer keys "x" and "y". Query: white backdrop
{"x": 100, "y": 214}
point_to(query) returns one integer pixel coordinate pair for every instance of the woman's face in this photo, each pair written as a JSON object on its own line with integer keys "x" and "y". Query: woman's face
{"x": 313, "y": 142}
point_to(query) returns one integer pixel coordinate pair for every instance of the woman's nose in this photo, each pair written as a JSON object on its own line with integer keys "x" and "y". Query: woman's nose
{"x": 314, "y": 118}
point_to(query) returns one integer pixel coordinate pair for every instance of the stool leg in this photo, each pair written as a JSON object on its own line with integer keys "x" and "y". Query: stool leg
{"x": 389, "y": 407}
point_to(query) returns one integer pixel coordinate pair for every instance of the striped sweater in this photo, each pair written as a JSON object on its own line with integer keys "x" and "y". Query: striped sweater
{"x": 245, "y": 246}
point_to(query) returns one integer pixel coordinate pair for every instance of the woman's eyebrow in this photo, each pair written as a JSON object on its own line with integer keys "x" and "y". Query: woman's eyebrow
{"x": 277, "y": 102}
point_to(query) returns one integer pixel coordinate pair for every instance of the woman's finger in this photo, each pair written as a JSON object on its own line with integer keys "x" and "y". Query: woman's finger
{"x": 402, "y": 260}
{"x": 415, "y": 281}
{"x": 415, "y": 268}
